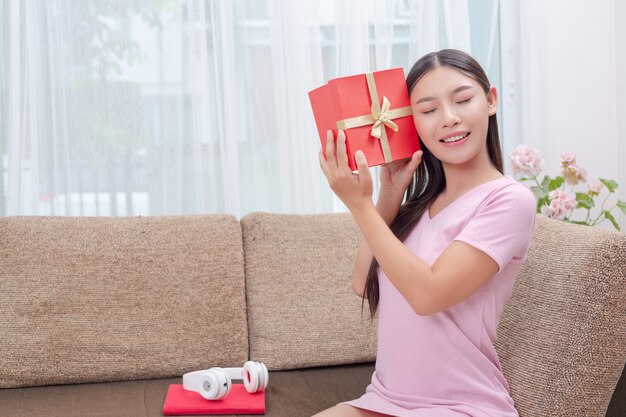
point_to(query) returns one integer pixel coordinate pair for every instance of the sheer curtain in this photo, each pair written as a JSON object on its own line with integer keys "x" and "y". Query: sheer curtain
{"x": 573, "y": 61}
{"x": 157, "y": 107}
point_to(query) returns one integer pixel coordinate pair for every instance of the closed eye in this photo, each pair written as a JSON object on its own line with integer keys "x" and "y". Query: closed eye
{"x": 458, "y": 102}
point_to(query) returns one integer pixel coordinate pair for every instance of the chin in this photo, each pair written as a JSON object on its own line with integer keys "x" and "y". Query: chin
{"x": 460, "y": 159}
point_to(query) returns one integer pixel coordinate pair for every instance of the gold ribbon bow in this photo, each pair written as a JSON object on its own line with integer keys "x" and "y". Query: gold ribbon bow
{"x": 382, "y": 118}
{"x": 379, "y": 117}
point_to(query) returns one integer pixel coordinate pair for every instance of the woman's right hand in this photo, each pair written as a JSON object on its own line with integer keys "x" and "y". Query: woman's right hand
{"x": 396, "y": 176}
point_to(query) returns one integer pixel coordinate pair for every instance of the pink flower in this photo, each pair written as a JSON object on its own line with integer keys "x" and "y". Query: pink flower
{"x": 594, "y": 188}
{"x": 574, "y": 174}
{"x": 568, "y": 158}
{"x": 526, "y": 161}
{"x": 562, "y": 204}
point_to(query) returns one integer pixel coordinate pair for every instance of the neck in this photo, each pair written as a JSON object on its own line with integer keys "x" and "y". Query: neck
{"x": 461, "y": 178}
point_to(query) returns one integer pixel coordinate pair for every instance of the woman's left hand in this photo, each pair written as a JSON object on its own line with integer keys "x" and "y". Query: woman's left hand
{"x": 355, "y": 190}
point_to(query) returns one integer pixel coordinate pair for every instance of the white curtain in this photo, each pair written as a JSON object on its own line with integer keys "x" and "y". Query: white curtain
{"x": 153, "y": 107}
{"x": 573, "y": 73}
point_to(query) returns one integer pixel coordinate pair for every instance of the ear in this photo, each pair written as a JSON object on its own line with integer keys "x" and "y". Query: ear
{"x": 492, "y": 100}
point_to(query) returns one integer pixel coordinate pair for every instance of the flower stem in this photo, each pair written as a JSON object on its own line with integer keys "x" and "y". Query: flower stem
{"x": 601, "y": 211}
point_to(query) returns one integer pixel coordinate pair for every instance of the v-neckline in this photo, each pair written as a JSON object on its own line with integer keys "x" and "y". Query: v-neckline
{"x": 459, "y": 198}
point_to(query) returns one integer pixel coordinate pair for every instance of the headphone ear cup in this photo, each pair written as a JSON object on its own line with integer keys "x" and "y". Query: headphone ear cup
{"x": 255, "y": 376}
{"x": 214, "y": 384}
{"x": 265, "y": 376}
{"x": 225, "y": 383}
{"x": 209, "y": 385}
{"x": 250, "y": 377}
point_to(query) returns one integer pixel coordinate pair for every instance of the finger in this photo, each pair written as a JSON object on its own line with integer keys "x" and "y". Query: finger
{"x": 361, "y": 163}
{"x": 330, "y": 151}
{"x": 342, "y": 155}
{"x": 416, "y": 159}
{"x": 323, "y": 164}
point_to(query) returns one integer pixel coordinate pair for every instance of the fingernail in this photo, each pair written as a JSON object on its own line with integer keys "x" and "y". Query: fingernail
{"x": 359, "y": 154}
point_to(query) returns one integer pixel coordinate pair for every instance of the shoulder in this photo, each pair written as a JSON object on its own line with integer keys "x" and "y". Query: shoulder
{"x": 503, "y": 223}
{"x": 507, "y": 202}
{"x": 513, "y": 194}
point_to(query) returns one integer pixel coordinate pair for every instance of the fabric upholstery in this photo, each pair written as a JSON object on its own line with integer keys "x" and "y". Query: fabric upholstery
{"x": 302, "y": 311}
{"x": 562, "y": 335}
{"x": 111, "y": 299}
{"x": 114, "y": 299}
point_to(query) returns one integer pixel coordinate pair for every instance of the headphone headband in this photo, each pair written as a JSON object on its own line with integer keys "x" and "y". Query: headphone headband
{"x": 190, "y": 379}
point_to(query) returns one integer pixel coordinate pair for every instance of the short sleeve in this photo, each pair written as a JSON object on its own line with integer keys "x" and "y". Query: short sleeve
{"x": 503, "y": 226}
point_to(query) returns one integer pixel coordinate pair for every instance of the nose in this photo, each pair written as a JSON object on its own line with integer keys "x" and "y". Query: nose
{"x": 449, "y": 117}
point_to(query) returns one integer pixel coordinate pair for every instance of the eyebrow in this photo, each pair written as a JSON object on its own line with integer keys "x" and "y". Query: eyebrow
{"x": 456, "y": 90}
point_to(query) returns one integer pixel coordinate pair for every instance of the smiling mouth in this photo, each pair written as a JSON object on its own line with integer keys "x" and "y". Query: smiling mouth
{"x": 455, "y": 138}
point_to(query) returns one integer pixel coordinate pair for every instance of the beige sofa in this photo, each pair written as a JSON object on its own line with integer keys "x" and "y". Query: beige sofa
{"x": 99, "y": 315}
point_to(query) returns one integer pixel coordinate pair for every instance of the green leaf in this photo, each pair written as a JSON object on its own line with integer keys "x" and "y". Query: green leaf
{"x": 545, "y": 182}
{"x": 584, "y": 201}
{"x": 580, "y": 222}
{"x": 555, "y": 183}
{"x": 622, "y": 206}
{"x": 542, "y": 202}
{"x": 610, "y": 184}
{"x": 609, "y": 216}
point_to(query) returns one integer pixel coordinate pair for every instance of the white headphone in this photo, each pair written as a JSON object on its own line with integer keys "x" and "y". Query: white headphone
{"x": 215, "y": 383}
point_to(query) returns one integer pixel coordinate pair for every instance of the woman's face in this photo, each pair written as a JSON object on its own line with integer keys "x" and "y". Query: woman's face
{"x": 449, "y": 105}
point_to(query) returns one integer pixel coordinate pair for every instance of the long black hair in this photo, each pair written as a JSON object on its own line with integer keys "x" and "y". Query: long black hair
{"x": 429, "y": 179}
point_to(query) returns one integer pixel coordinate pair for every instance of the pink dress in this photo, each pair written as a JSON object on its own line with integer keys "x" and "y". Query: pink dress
{"x": 445, "y": 364}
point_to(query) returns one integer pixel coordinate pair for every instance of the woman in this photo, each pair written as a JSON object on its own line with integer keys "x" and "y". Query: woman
{"x": 439, "y": 267}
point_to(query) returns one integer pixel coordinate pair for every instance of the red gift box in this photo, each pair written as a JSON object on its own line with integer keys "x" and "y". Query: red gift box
{"x": 368, "y": 107}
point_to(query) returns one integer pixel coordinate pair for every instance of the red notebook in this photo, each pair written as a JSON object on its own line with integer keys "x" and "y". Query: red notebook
{"x": 180, "y": 401}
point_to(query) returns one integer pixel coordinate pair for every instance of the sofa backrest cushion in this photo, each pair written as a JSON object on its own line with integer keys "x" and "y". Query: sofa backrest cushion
{"x": 105, "y": 299}
{"x": 562, "y": 335}
{"x": 302, "y": 311}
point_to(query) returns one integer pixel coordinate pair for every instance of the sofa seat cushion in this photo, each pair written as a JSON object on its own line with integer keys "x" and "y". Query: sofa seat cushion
{"x": 296, "y": 393}
{"x": 107, "y": 299}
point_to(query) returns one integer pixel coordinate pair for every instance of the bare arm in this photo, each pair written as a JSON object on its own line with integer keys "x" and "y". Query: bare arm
{"x": 427, "y": 289}
{"x": 388, "y": 206}
{"x": 395, "y": 178}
